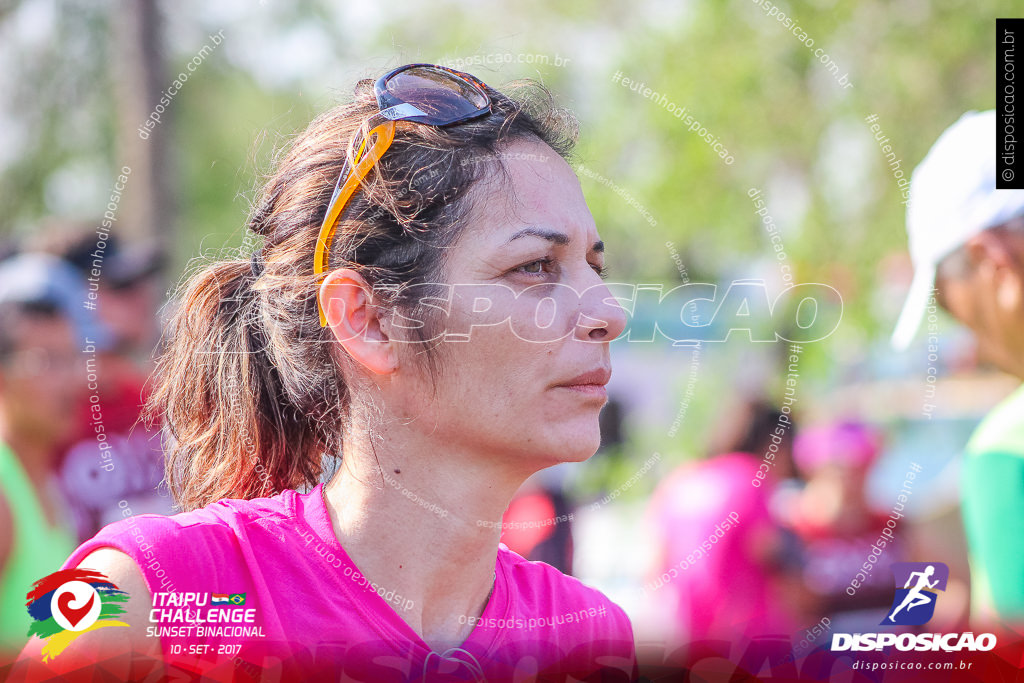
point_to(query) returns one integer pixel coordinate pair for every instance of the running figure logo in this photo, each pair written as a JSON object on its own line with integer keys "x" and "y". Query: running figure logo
{"x": 914, "y": 603}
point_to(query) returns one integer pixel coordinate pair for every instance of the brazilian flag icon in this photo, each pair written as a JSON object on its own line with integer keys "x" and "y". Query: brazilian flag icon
{"x": 237, "y": 598}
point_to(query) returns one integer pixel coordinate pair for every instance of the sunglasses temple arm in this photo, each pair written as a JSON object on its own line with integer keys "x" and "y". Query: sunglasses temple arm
{"x": 382, "y": 137}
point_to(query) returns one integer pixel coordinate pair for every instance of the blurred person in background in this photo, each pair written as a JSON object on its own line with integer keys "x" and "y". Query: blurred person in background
{"x": 837, "y": 526}
{"x": 41, "y": 385}
{"x": 124, "y": 281}
{"x": 967, "y": 245}
{"x": 723, "y": 560}
{"x": 538, "y": 522}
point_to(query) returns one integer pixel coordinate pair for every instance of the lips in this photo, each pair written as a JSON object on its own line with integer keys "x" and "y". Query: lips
{"x": 592, "y": 379}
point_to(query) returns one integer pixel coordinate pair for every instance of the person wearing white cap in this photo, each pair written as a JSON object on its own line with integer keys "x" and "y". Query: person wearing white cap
{"x": 42, "y": 386}
{"x": 967, "y": 245}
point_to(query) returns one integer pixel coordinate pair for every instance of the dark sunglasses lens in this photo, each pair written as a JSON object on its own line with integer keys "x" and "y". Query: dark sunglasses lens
{"x": 444, "y": 97}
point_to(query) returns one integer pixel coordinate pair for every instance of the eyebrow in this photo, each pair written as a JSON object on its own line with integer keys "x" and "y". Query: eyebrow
{"x": 559, "y": 238}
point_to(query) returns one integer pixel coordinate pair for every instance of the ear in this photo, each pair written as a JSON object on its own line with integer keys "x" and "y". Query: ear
{"x": 987, "y": 251}
{"x": 356, "y": 320}
{"x": 996, "y": 263}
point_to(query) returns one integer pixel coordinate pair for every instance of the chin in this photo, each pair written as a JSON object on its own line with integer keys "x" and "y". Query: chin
{"x": 577, "y": 445}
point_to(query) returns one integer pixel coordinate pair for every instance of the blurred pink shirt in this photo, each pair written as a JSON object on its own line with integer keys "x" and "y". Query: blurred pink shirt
{"x": 313, "y": 613}
{"x": 717, "y": 576}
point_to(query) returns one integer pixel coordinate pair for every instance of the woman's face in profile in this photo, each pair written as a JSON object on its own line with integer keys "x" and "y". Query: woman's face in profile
{"x": 526, "y": 354}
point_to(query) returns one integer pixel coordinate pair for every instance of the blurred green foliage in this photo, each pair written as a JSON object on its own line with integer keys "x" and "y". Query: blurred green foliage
{"x": 793, "y": 131}
{"x": 737, "y": 70}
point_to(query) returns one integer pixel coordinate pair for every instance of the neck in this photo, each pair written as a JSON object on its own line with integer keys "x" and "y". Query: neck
{"x": 423, "y": 519}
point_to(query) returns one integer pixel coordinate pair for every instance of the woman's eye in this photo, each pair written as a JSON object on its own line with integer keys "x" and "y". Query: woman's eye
{"x": 547, "y": 265}
{"x": 534, "y": 267}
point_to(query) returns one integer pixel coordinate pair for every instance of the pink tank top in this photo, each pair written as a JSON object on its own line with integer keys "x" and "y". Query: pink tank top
{"x": 251, "y": 589}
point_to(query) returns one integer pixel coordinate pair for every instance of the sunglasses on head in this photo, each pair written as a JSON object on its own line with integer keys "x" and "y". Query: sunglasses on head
{"x": 420, "y": 93}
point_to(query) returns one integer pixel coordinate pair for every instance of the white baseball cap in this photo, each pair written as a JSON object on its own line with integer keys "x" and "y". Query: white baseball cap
{"x": 953, "y": 197}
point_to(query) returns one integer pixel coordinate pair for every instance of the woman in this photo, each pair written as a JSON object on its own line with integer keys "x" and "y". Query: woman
{"x": 724, "y": 567}
{"x": 442, "y": 323}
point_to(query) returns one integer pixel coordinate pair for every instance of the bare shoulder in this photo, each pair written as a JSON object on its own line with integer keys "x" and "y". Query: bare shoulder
{"x": 123, "y": 571}
{"x": 110, "y": 642}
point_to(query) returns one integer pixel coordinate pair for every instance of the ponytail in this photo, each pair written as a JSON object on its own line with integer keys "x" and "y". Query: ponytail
{"x": 231, "y": 431}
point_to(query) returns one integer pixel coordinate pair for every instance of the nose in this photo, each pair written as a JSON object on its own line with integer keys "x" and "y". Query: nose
{"x": 601, "y": 318}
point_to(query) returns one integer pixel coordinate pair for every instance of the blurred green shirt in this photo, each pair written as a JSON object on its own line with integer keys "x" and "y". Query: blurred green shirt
{"x": 37, "y": 549}
{"x": 993, "y": 509}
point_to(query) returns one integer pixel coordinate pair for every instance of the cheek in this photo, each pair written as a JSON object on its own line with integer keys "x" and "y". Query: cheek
{"x": 500, "y": 365}
{"x": 502, "y": 370}
{"x": 491, "y": 381}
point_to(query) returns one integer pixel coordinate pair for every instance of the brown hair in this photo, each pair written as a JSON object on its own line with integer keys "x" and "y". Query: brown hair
{"x": 248, "y": 385}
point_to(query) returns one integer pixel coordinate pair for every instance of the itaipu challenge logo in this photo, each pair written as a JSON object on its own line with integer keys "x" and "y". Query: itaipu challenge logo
{"x": 70, "y": 602}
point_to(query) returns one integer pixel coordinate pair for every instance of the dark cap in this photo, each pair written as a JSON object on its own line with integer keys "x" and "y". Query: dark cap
{"x": 44, "y": 279}
{"x": 119, "y": 265}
